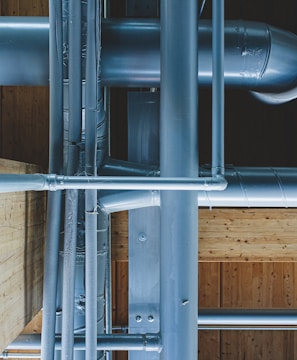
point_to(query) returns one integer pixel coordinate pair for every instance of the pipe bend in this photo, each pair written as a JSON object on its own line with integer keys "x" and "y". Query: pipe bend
{"x": 279, "y": 79}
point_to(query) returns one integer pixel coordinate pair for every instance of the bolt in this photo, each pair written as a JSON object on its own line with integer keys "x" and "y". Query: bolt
{"x": 142, "y": 237}
{"x": 138, "y": 318}
{"x": 150, "y": 318}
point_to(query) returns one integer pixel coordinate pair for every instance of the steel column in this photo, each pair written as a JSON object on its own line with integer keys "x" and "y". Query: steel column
{"x": 178, "y": 150}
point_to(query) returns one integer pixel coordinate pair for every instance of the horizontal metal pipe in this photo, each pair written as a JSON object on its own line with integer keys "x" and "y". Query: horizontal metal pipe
{"x": 258, "y": 57}
{"x": 51, "y": 182}
{"x": 146, "y": 342}
{"x": 114, "y": 167}
{"x": 247, "y": 319}
{"x": 247, "y": 187}
{"x": 20, "y": 356}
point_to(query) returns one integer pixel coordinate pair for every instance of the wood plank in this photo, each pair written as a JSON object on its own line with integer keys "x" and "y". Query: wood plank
{"x": 231, "y": 235}
{"x": 120, "y": 300}
{"x": 22, "y": 217}
{"x": 24, "y": 7}
{"x": 209, "y": 277}
{"x": 258, "y": 285}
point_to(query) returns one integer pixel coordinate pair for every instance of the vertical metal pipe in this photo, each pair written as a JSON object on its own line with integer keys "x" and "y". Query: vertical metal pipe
{"x": 108, "y": 292}
{"x": 69, "y": 257}
{"x": 91, "y": 195}
{"x": 56, "y": 87}
{"x": 108, "y": 274}
{"x": 74, "y": 65}
{"x": 218, "y": 87}
{"x": 50, "y": 275}
{"x": 178, "y": 151}
{"x": 91, "y": 273}
{"x": 55, "y": 165}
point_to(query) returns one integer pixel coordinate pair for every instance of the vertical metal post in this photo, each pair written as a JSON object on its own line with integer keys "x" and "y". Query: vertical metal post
{"x": 218, "y": 87}
{"x": 50, "y": 278}
{"x": 178, "y": 150}
{"x": 69, "y": 257}
{"x": 91, "y": 195}
{"x": 74, "y": 65}
{"x": 55, "y": 165}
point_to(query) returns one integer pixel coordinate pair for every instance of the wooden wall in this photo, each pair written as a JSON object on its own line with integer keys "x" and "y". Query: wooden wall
{"x": 24, "y": 110}
{"x": 256, "y": 134}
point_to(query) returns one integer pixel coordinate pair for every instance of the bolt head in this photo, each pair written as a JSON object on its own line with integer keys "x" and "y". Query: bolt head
{"x": 150, "y": 318}
{"x": 138, "y": 318}
{"x": 142, "y": 237}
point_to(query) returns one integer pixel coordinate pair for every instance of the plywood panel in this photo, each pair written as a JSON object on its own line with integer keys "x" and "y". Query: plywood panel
{"x": 21, "y": 255}
{"x": 231, "y": 235}
{"x": 209, "y": 275}
{"x": 258, "y": 285}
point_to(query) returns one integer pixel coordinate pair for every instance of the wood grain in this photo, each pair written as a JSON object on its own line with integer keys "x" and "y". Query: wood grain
{"x": 21, "y": 255}
{"x": 231, "y": 235}
{"x": 258, "y": 285}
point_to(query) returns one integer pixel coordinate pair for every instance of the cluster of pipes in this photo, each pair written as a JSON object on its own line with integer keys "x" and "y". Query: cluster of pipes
{"x": 85, "y": 55}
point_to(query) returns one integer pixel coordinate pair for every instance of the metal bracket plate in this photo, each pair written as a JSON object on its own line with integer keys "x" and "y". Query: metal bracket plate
{"x": 144, "y": 224}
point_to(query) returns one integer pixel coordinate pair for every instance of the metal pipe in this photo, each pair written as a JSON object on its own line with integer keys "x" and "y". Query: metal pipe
{"x": 213, "y": 319}
{"x": 117, "y": 342}
{"x": 8, "y": 355}
{"x": 247, "y": 187}
{"x": 41, "y": 182}
{"x": 90, "y": 169}
{"x": 108, "y": 289}
{"x": 179, "y": 158}
{"x": 115, "y": 167}
{"x": 75, "y": 77}
{"x": 69, "y": 257}
{"x": 258, "y": 57}
{"x": 218, "y": 87}
{"x": 50, "y": 277}
{"x": 55, "y": 164}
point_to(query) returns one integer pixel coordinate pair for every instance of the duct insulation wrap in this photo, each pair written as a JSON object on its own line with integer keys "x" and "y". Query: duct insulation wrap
{"x": 258, "y": 57}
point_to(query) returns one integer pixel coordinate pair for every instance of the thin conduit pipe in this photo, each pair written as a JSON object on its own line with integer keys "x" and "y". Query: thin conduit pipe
{"x": 71, "y": 206}
{"x": 50, "y": 277}
{"x": 108, "y": 273}
{"x": 69, "y": 257}
{"x": 41, "y": 182}
{"x": 258, "y": 57}
{"x": 145, "y": 342}
{"x": 218, "y": 87}
{"x": 56, "y": 165}
{"x": 75, "y": 76}
{"x": 90, "y": 168}
{"x": 247, "y": 187}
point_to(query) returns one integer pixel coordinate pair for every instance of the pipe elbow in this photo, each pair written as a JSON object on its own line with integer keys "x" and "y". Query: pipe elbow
{"x": 278, "y": 83}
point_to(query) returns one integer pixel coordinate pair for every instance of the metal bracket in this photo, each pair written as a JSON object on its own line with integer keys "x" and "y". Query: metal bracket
{"x": 144, "y": 224}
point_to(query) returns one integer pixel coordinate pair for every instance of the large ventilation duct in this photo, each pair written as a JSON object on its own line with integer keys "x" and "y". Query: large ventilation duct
{"x": 258, "y": 57}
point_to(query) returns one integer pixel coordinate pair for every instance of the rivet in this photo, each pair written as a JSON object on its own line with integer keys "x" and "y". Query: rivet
{"x": 150, "y": 318}
{"x": 138, "y": 318}
{"x": 142, "y": 237}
